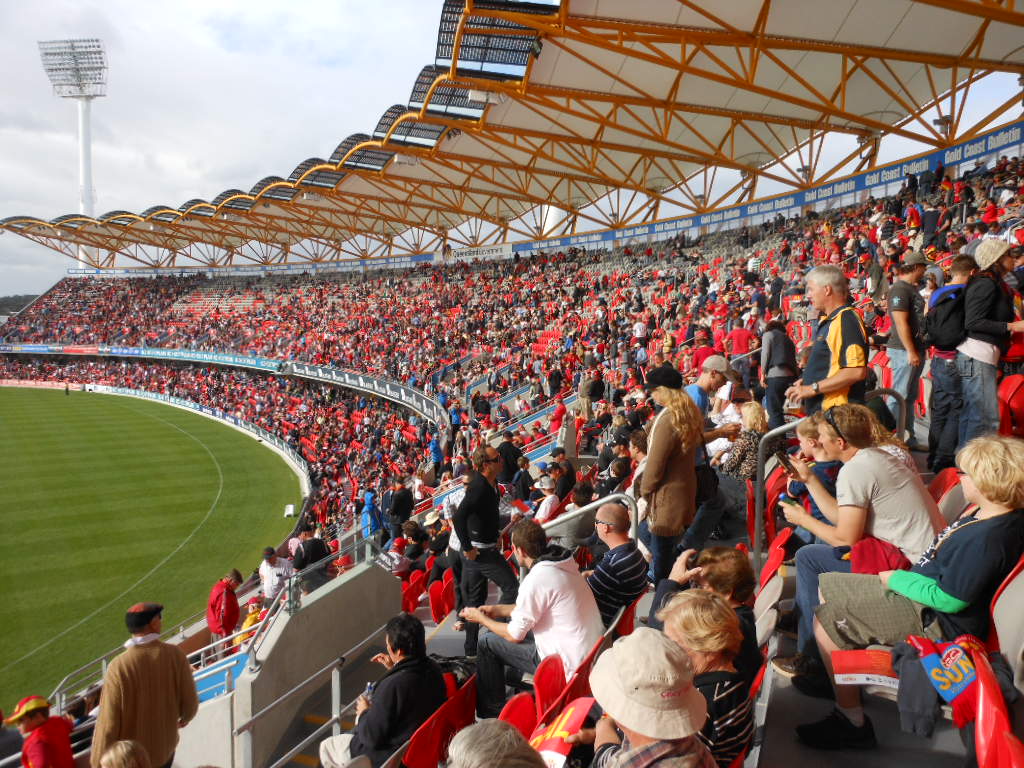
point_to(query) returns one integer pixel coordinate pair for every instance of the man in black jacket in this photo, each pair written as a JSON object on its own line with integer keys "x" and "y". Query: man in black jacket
{"x": 401, "y": 506}
{"x": 410, "y": 692}
{"x": 478, "y": 527}
{"x": 510, "y": 454}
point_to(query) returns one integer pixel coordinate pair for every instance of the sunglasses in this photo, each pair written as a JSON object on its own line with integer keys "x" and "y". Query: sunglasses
{"x": 492, "y": 459}
{"x": 603, "y": 522}
{"x": 831, "y": 419}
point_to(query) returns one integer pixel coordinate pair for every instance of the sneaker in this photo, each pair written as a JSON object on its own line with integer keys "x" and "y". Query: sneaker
{"x": 836, "y": 732}
{"x": 799, "y": 665}
{"x": 817, "y": 686}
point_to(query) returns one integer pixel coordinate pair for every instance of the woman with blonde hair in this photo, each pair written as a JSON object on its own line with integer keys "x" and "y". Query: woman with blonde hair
{"x": 669, "y": 483}
{"x": 704, "y": 625}
{"x": 944, "y": 595}
{"x": 125, "y": 754}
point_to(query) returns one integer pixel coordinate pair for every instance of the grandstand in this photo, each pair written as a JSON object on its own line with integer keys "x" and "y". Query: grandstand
{"x": 392, "y": 329}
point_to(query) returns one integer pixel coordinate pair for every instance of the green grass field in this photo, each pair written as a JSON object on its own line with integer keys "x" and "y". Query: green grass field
{"x": 108, "y": 501}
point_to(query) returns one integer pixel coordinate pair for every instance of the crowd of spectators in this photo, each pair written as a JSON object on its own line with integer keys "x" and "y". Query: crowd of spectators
{"x": 681, "y": 333}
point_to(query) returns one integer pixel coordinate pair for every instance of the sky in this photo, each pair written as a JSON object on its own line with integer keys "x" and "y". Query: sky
{"x": 201, "y": 97}
{"x": 204, "y": 97}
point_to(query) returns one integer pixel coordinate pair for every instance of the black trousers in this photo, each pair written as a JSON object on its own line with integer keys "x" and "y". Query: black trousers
{"x": 489, "y": 565}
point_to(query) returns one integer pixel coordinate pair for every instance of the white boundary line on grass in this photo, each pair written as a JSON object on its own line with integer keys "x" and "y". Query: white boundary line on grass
{"x": 155, "y": 568}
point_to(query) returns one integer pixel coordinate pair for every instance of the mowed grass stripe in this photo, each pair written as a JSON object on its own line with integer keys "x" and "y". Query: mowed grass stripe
{"x": 96, "y": 490}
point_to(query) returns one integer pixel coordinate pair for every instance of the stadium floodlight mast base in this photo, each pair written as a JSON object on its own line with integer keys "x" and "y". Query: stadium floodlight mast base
{"x": 77, "y": 68}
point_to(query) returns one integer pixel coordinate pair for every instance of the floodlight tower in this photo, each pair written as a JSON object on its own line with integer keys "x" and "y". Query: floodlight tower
{"x": 78, "y": 70}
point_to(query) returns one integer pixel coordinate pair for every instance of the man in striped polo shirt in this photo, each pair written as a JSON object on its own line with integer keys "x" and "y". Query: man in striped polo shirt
{"x": 621, "y": 575}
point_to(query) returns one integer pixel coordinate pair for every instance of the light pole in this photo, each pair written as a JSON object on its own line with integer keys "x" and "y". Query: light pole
{"x": 78, "y": 70}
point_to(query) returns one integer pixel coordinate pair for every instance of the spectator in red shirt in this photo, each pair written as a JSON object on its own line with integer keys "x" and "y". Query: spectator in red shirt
{"x": 222, "y": 609}
{"x": 738, "y": 344}
{"x": 47, "y": 739}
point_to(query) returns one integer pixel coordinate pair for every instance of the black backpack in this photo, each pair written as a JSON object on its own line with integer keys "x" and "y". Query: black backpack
{"x": 944, "y": 324}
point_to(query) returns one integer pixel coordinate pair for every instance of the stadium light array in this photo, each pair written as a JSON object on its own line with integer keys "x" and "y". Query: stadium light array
{"x": 78, "y": 70}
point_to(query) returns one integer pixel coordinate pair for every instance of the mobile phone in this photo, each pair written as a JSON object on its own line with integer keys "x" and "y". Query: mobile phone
{"x": 785, "y": 498}
{"x": 783, "y": 458}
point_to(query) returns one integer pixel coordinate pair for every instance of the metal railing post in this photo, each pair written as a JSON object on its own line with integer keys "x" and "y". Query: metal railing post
{"x": 759, "y": 500}
{"x": 248, "y": 759}
{"x": 229, "y": 681}
{"x": 336, "y": 700}
{"x": 903, "y": 419}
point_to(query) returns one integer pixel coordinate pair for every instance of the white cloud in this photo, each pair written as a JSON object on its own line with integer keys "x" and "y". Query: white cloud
{"x": 202, "y": 97}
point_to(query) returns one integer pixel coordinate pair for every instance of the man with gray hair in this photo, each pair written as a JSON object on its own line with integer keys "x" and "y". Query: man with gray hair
{"x": 838, "y": 363}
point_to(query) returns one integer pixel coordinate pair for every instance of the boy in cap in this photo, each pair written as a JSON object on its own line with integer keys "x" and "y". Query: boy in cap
{"x": 644, "y": 683}
{"x": 47, "y": 739}
{"x": 148, "y": 691}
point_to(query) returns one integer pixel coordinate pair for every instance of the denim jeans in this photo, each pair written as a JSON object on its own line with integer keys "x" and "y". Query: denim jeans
{"x": 906, "y": 379}
{"x": 494, "y": 654}
{"x": 491, "y": 565}
{"x": 709, "y": 515}
{"x": 662, "y": 549}
{"x": 775, "y": 398}
{"x": 742, "y": 366}
{"x": 980, "y": 414}
{"x": 812, "y": 561}
{"x": 944, "y": 407}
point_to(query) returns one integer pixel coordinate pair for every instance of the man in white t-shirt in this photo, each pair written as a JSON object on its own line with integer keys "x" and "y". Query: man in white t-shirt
{"x": 274, "y": 573}
{"x": 554, "y": 603}
{"x": 877, "y": 495}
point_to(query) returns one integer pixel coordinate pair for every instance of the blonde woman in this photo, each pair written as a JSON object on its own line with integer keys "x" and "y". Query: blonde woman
{"x": 125, "y": 754}
{"x": 944, "y": 595}
{"x": 887, "y": 441}
{"x": 704, "y": 625}
{"x": 740, "y": 459}
{"x": 669, "y": 483}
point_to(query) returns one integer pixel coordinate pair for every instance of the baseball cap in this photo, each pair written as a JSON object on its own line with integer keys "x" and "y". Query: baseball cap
{"x": 645, "y": 682}
{"x": 545, "y": 483}
{"x": 914, "y": 259}
{"x": 25, "y": 706}
{"x": 140, "y": 614}
{"x": 268, "y": 552}
{"x": 715, "y": 363}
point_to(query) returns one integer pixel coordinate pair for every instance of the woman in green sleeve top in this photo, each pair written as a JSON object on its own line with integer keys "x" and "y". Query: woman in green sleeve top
{"x": 946, "y": 594}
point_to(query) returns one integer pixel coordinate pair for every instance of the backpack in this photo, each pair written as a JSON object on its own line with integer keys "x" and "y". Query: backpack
{"x": 944, "y": 324}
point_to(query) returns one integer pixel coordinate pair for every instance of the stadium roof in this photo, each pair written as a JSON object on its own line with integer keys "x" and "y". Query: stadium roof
{"x": 541, "y": 117}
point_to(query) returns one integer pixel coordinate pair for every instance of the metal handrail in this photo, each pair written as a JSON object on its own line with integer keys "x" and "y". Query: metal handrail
{"x": 623, "y": 498}
{"x": 248, "y": 724}
{"x": 759, "y": 500}
{"x": 901, "y": 420}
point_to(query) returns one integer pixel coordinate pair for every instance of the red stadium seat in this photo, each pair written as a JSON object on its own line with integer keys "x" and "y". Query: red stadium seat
{"x": 448, "y": 593}
{"x": 437, "y": 605}
{"x": 628, "y": 620}
{"x": 520, "y": 711}
{"x": 993, "y": 718}
{"x": 942, "y": 482}
{"x": 548, "y": 682}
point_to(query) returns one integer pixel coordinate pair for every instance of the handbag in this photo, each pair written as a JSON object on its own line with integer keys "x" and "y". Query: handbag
{"x": 707, "y": 478}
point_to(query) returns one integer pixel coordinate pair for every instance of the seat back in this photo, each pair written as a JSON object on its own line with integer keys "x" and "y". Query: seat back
{"x": 942, "y": 482}
{"x": 768, "y": 596}
{"x": 449, "y": 575}
{"x": 953, "y": 504}
{"x": 993, "y": 719}
{"x": 1011, "y": 405}
{"x": 628, "y": 621}
{"x": 765, "y": 625}
{"x": 449, "y": 596}
{"x": 1007, "y": 633}
{"x": 1014, "y": 751}
{"x": 521, "y": 712}
{"x": 437, "y": 605}
{"x": 548, "y": 682}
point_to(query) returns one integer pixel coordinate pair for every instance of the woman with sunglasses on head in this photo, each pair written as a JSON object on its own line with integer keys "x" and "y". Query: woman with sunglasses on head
{"x": 881, "y": 513}
{"x": 944, "y": 595}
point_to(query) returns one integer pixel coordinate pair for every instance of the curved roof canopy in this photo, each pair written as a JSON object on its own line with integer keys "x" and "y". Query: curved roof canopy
{"x": 546, "y": 117}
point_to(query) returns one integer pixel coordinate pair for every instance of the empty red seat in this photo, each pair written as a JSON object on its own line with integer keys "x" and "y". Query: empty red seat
{"x": 548, "y": 682}
{"x": 520, "y": 711}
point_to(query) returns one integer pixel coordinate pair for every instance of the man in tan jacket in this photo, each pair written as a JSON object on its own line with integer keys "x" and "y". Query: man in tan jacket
{"x": 148, "y": 691}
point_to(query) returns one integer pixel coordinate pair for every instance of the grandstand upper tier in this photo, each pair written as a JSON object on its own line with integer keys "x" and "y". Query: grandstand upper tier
{"x": 541, "y": 118}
